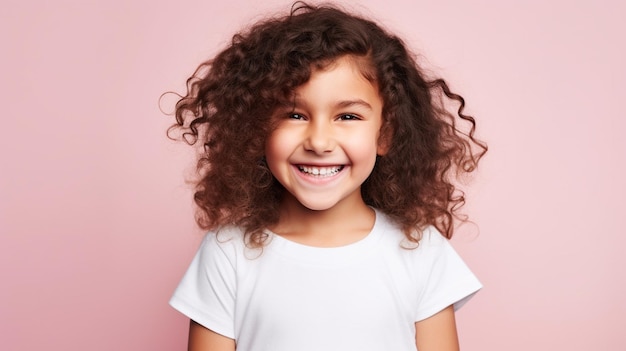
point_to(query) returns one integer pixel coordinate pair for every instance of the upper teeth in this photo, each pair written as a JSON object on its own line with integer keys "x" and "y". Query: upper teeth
{"x": 321, "y": 171}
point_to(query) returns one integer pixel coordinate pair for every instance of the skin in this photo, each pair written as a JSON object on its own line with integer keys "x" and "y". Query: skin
{"x": 203, "y": 339}
{"x": 438, "y": 332}
{"x": 322, "y": 151}
{"x": 334, "y": 127}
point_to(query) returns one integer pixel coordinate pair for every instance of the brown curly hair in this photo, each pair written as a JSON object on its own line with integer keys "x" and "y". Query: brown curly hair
{"x": 231, "y": 98}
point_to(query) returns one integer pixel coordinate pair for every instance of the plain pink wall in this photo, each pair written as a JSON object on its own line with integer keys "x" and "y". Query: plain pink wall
{"x": 96, "y": 221}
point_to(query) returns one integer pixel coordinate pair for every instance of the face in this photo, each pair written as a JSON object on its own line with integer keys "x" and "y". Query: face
{"x": 325, "y": 147}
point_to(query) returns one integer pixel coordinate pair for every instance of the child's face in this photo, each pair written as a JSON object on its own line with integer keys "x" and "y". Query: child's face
{"x": 325, "y": 147}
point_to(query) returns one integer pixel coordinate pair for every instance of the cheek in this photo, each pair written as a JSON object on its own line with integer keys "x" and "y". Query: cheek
{"x": 364, "y": 149}
{"x": 276, "y": 148}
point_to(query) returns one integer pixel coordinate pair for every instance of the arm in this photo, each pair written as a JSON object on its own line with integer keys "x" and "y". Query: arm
{"x": 203, "y": 339}
{"x": 438, "y": 332}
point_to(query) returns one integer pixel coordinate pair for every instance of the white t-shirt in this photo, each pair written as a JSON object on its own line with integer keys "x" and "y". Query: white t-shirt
{"x": 287, "y": 296}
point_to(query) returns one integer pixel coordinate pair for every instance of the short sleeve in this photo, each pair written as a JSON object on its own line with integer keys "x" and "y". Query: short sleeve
{"x": 206, "y": 294}
{"x": 445, "y": 278}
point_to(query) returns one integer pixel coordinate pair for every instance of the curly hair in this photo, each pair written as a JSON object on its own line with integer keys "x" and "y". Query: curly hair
{"x": 230, "y": 100}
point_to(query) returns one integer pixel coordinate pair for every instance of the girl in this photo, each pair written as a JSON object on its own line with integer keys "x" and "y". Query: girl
{"x": 326, "y": 185}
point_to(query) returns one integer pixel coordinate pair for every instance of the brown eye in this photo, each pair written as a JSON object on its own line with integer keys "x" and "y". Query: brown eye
{"x": 349, "y": 117}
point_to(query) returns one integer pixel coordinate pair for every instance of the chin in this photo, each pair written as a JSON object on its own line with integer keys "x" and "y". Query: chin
{"x": 317, "y": 205}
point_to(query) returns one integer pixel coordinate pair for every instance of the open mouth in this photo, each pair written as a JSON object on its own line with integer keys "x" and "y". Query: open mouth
{"x": 320, "y": 171}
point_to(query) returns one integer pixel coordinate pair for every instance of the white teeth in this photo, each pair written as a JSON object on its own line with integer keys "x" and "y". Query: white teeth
{"x": 320, "y": 171}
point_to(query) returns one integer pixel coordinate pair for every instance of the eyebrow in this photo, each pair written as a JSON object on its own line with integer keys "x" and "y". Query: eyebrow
{"x": 350, "y": 103}
{"x": 340, "y": 104}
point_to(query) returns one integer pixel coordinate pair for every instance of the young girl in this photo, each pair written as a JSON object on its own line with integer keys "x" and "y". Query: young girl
{"x": 326, "y": 186}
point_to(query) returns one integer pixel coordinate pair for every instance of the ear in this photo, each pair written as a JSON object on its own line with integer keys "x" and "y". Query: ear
{"x": 384, "y": 140}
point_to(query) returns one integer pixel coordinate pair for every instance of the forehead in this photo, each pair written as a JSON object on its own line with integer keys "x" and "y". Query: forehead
{"x": 361, "y": 64}
{"x": 358, "y": 67}
{"x": 329, "y": 73}
{"x": 349, "y": 71}
{"x": 340, "y": 84}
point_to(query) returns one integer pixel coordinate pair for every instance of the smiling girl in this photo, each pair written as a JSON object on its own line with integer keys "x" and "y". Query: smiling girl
{"x": 326, "y": 187}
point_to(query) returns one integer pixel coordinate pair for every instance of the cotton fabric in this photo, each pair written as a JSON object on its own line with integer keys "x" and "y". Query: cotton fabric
{"x": 287, "y": 296}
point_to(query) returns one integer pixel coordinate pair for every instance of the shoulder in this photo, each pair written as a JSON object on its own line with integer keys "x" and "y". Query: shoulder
{"x": 225, "y": 242}
{"x": 429, "y": 238}
{"x": 418, "y": 258}
{"x": 432, "y": 245}
{"x": 225, "y": 236}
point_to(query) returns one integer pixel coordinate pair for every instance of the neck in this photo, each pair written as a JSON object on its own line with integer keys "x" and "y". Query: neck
{"x": 343, "y": 224}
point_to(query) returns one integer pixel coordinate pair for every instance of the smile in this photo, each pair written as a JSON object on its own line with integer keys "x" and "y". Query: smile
{"x": 320, "y": 171}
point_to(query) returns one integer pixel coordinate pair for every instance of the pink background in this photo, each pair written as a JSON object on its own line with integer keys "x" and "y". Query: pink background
{"x": 96, "y": 221}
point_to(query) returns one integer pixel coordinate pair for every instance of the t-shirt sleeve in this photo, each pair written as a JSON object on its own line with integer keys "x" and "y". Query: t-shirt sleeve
{"x": 206, "y": 294}
{"x": 445, "y": 278}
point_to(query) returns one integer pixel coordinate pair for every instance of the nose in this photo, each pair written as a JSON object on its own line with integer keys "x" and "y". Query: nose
{"x": 320, "y": 138}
